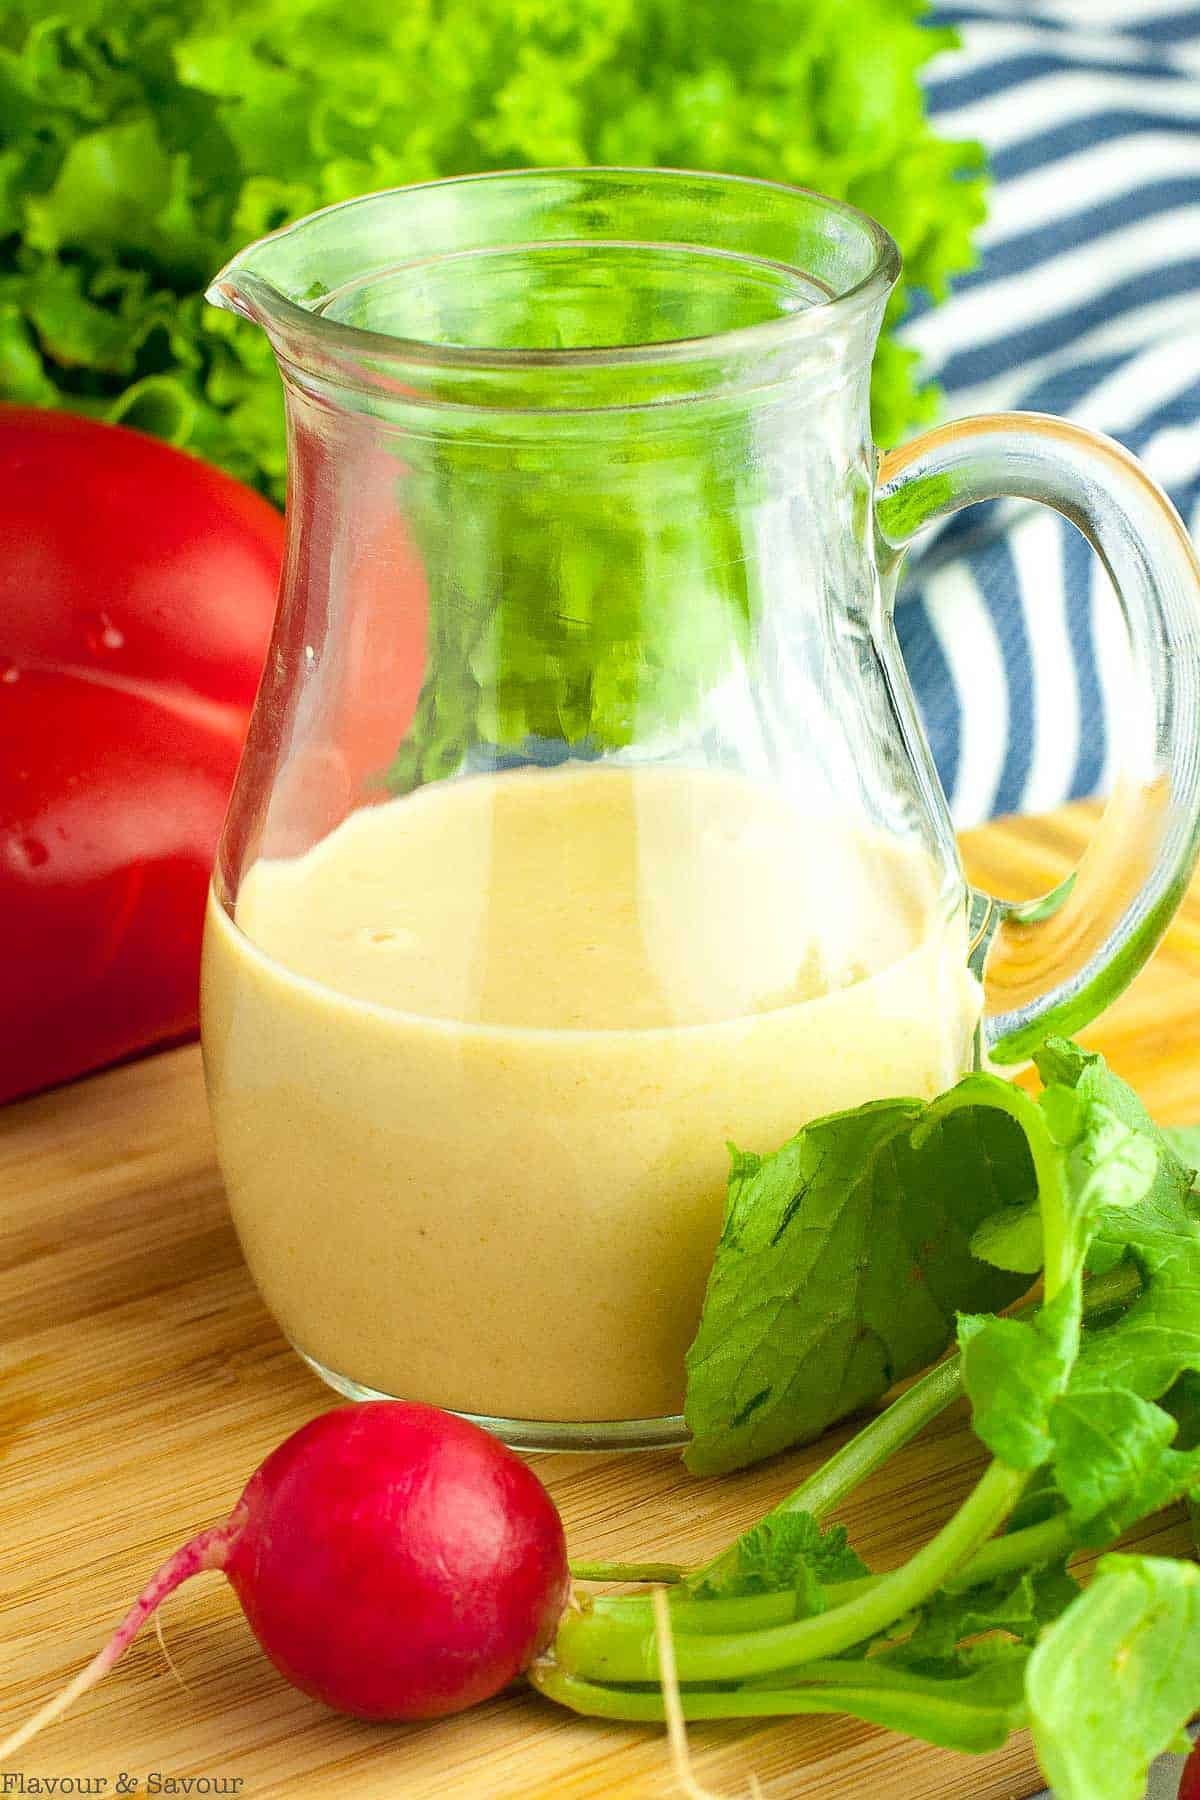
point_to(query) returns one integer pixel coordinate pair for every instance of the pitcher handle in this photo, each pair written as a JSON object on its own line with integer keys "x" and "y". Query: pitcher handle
{"x": 1054, "y": 963}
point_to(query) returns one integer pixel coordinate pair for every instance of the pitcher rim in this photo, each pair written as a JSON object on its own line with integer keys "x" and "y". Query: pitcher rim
{"x": 236, "y": 279}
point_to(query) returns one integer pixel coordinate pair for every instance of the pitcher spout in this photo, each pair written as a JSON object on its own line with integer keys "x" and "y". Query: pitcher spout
{"x": 277, "y": 273}
{"x": 237, "y": 289}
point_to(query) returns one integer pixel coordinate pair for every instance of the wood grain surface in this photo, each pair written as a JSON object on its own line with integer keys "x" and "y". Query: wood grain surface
{"x": 142, "y": 1381}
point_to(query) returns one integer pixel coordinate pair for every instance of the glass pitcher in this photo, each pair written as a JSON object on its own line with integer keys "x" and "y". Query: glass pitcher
{"x": 585, "y": 824}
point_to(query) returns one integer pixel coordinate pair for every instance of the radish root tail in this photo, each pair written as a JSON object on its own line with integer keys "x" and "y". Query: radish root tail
{"x": 167, "y": 1657}
{"x": 207, "y": 1550}
{"x": 673, "y": 1706}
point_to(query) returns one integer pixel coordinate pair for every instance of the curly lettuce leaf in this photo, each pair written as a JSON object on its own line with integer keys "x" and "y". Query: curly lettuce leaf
{"x": 142, "y": 143}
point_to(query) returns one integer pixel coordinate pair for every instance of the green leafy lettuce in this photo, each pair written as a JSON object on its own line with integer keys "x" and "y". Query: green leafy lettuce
{"x": 142, "y": 142}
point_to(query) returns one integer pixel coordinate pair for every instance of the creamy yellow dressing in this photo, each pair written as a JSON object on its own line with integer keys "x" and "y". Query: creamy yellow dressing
{"x": 475, "y": 1058}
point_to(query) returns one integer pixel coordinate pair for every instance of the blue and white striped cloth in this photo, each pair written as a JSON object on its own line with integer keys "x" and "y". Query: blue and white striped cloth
{"x": 1087, "y": 303}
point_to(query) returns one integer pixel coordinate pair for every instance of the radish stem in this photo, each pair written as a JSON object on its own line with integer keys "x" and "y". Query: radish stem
{"x": 630, "y": 1613}
{"x": 589, "y": 1645}
{"x": 837, "y": 1688}
{"x": 665, "y": 1573}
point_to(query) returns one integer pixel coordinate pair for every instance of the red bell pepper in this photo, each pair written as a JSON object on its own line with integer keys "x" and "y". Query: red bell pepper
{"x": 137, "y": 589}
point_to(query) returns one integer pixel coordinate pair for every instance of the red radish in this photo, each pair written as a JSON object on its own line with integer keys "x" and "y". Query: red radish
{"x": 1189, "y": 1783}
{"x": 392, "y": 1560}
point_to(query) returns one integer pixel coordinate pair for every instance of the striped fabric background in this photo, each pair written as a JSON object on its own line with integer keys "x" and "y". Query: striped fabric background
{"x": 1086, "y": 303}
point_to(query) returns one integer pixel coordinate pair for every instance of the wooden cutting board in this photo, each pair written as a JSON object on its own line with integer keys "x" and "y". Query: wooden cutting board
{"x": 142, "y": 1381}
